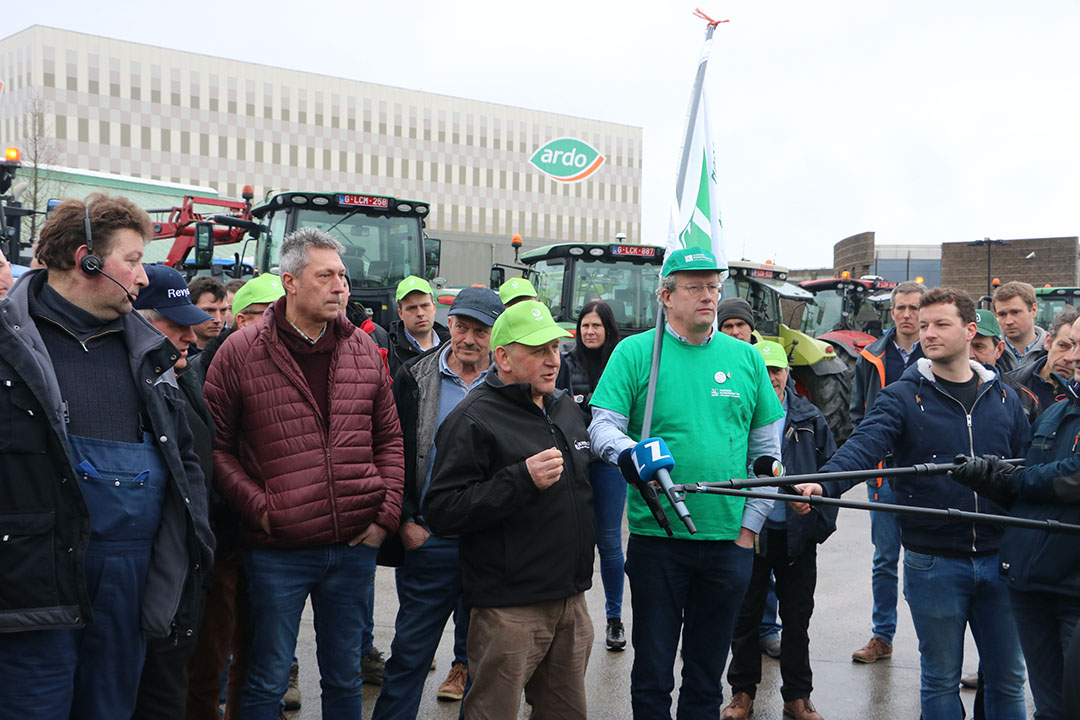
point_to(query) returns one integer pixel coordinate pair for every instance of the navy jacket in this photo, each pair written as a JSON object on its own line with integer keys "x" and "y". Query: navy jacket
{"x": 870, "y": 375}
{"x": 920, "y": 422}
{"x": 1048, "y": 487}
{"x": 808, "y": 444}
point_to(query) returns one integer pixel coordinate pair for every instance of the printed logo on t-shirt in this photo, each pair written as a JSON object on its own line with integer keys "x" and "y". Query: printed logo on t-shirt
{"x": 722, "y": 377}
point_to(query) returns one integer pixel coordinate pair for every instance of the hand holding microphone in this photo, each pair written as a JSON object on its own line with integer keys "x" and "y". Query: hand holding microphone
{"x": 647, "y": 491}
{"x": 652, "y": 460}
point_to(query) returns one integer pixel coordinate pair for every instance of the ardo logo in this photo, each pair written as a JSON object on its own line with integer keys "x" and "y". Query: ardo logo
{"x": 567, "y": 159}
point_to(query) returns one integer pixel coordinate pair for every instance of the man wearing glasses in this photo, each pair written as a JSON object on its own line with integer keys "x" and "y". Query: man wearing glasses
{"x": 715, "y": 408}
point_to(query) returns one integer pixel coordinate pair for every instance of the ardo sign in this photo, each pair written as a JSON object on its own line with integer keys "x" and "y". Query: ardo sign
{"x": 567, "y": 159}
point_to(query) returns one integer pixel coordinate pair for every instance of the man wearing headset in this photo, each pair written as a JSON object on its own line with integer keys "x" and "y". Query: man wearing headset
{"x": 103, "y": 519}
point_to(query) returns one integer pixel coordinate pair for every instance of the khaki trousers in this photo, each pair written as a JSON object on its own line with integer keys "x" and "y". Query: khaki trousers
{"x": 542, "y": 649}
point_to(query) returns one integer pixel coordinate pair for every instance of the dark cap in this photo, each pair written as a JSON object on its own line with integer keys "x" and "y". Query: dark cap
{"x": 734, "y": 308}
{"x": 167, "y": 293}
{"x": 478, "y": 303}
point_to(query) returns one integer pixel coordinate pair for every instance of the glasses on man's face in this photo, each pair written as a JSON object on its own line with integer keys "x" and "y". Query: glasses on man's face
{"x": 696, "y": 291}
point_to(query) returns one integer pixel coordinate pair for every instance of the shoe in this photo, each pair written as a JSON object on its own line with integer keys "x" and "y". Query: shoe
{"x": 616, "y": 636}
{"x": 876, "y": 649}
{"x": 801, "y": 709}
{"x": 770, "y": 645}
{"x": 453, "y": 687}
{"x": 292, "y": 695}
{"x": 970, "y": 681}
{"x": 371, "y": 666}
{"x": 740, "y": 707}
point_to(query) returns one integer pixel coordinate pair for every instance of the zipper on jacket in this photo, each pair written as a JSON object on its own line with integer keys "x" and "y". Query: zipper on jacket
{"x": 573, "y": 500}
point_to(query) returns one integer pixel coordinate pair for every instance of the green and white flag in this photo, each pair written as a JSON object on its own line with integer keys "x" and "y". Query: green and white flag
{"x": 695, "y": 211}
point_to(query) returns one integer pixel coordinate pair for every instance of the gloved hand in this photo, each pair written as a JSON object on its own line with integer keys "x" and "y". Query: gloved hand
{"x": 988, "y": 475}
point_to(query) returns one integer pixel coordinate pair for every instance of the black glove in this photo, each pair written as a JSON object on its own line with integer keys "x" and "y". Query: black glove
{"x": 988, "y": 475}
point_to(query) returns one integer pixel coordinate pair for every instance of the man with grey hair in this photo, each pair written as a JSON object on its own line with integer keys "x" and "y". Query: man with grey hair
{"x": 309, "y": 454}
{"x": 883, "y": 362}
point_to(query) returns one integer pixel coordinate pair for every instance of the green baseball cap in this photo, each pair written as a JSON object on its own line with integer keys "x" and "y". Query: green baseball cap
{"x": 986, "y": 324}
{"x": 528, "y": 322}
{"x": 265, "y": 288}
{"x": 412, "y": 284}
{"x": 516, "y": 288}
{"x": 773, "y": 352}
{"x": 691, "y": 258}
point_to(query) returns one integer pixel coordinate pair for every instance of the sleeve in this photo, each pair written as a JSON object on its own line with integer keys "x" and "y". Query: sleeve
{"x": 607, "y": 435}
{"x": 763, "y": 441}
{"x": 857, "y": 405}
{"x": 467, "y": 493}
{"x": 405, "y": 398}
{"x": 869, "y": 443}
{"x": 1055, "y": 481}
{"x": 767, "y": 408}
{"x": 225, "y": 402}
{"x": 618, "y": 388}
{"x": 386, "y": 445}
{"x": 826, "y": 443}
{"x": 198, "y": 494}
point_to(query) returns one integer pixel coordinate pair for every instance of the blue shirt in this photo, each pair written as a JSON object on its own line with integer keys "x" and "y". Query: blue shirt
{"x": 778, "y": 514}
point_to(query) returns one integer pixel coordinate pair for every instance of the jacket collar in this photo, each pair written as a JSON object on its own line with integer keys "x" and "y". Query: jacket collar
{"x": 518, "y": 393}
{"x": 924, "y": 369}
{"x": 799, "y": 408}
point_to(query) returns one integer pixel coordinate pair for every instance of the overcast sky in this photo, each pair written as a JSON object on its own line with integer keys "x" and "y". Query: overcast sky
{"x": 926, "y": 122}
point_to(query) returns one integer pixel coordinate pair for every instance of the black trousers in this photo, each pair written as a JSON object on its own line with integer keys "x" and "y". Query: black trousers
{"x": 796, "y": 579}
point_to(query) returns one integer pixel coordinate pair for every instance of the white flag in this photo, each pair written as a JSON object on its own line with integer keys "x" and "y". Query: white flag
{"x": 696, "y": 220}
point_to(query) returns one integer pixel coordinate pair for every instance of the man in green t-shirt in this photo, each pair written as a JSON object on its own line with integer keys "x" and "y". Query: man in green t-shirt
{"x": 716, "y": 409}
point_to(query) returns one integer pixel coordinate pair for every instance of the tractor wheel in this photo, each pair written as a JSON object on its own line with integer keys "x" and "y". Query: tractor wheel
{"x": 832, "y": 395}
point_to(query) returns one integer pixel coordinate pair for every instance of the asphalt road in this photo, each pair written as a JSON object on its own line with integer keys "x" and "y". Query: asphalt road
{"x": 843, "y": 690}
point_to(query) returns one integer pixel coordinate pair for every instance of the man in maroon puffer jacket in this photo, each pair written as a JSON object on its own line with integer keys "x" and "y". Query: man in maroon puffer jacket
{"x": 309, "y": 453}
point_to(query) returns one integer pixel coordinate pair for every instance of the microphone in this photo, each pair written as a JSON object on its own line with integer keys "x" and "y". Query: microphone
{"x": 647, "y": 491}
{"x": 129, "y": 297}
{"x": 653, "y": 460}
{"x": 766, "y": 466}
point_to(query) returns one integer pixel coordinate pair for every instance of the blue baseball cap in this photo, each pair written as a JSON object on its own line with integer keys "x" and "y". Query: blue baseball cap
{"x": 167, "y": 293}
{"x": 478, "y": 303}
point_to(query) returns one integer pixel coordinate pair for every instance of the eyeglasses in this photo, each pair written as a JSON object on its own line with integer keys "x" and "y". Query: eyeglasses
{"x": 696, "y": 291}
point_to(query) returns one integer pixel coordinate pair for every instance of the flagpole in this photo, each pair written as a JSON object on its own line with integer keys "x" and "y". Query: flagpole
{"x": 695, "y": 101}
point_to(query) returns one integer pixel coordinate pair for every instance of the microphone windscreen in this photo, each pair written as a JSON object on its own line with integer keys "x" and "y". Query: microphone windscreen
{"x": 767, "y": 466}
{"x": 627, "y": 467}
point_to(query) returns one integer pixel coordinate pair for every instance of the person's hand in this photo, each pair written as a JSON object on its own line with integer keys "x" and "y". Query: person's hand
{"x": 264, "y": 523}
{"x": 545, "y": 468}
{"x": 988, "y": 475}
{"x": 806, "y": 490}
{"x": 746, "y": 538}
{"x": 413, "y": 535}
{"x": 372, "y": 536}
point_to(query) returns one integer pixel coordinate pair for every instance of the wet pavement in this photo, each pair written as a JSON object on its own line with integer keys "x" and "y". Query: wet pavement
{"x": 844, "y": 690}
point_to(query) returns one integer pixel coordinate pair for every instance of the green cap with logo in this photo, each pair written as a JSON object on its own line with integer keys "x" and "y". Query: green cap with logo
{"x": 528, "y": 322}
{"x": 986, "y": 324}
{"x": 412, "y": 284}
{"x": 773, "y": 352}
{"x": 515, "y": 288}
{"x": 691, "y": 258}
{"x": 265, "y": 288}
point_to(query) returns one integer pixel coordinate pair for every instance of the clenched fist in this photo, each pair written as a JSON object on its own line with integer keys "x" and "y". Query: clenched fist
{"x": 545, "y": 467}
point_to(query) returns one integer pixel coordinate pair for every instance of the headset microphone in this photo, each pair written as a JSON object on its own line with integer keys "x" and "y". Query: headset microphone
{"x": 93, "y": 264}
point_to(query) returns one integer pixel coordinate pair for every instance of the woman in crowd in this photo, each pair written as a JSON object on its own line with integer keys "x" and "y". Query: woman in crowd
{"x": 580, "y": 371}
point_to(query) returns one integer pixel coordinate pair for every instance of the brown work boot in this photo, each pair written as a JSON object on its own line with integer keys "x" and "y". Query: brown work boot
{"x": 876, "y": 649}
{"x": 801, "y": 709}
{"x": 453, "y": 688}
{"x": 741, "y": 707}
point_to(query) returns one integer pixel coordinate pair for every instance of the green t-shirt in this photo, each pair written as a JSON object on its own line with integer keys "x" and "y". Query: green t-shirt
{"x": 708, "y": 398}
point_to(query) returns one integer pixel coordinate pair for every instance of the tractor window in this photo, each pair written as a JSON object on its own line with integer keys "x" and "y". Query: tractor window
{"x": 380, "y": 250}
{"x": 548, "y": 281}
{"x": 628, "y": 287}
{"x": 764, "y": 302}
{"x": 824, "y": 315}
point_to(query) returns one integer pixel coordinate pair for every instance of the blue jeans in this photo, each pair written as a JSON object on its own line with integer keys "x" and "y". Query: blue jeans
{"x": 885, "y": 534}
{"x": 609, "y": 503}
{"x": 945, "y": 594}
{"x": 689, "y": 587}
{"x": 1046, "y": 622}
{"x": 429, "y": 591}
{"x": 338, "y": 579}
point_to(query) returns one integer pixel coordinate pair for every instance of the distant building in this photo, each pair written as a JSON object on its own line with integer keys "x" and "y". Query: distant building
{"x": 130, "y": 109}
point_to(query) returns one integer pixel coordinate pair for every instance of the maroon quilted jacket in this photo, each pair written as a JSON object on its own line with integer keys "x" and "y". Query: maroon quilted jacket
{"x": 274, "y": 454}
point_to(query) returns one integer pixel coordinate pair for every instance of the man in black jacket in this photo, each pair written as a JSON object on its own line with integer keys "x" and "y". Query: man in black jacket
{"x": 415, "y": 331}
{"x": 103, "y": 501}
{"x": 166, "y": 304}
{"x": 511, "y": 480}
{"x": 787, "y": 547}
{"x": 426, "y": 390}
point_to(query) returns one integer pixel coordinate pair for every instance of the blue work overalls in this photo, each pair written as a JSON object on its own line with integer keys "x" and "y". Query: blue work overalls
{"x": 93, "y": 673}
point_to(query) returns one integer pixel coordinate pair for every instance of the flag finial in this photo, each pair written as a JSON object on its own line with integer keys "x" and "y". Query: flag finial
{"x": 699, "y": 14}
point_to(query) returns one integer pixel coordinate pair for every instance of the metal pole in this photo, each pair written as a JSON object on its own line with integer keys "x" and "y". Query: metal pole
{"x": 946, "y": 513}
{"x": 919, "y": 469}
{"x": 989, "y": 282}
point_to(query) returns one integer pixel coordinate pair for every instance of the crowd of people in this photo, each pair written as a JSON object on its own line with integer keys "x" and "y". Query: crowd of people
{"x": 187, "y": 465}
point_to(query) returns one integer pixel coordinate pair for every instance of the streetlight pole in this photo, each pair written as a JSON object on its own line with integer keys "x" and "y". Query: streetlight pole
{"x": 989, "y": 278}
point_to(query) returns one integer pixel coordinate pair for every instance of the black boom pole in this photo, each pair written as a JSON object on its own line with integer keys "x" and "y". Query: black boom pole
{"x": 949, "y": 513}
{"x": 918, "y": 469}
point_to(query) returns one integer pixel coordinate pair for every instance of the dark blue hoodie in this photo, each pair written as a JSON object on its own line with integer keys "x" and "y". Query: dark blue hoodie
{"x": 918, "y": 421}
